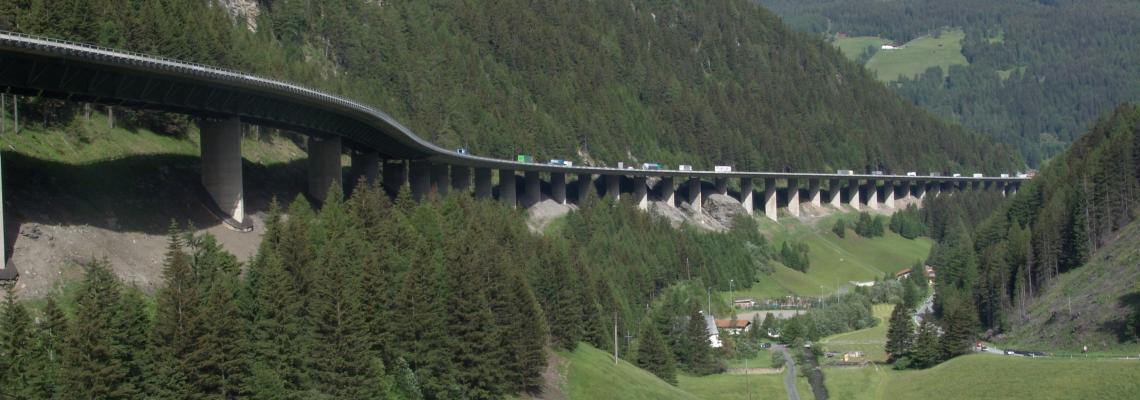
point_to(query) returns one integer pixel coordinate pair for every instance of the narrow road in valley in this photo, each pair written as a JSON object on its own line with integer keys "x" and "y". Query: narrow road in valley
{"x": 790, "y": 378}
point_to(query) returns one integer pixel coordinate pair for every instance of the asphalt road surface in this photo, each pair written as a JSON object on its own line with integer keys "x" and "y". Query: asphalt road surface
{"x": 790, "y": 377}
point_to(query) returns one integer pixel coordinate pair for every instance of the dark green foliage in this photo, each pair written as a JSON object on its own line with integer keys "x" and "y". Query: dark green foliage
{"x": 795, "y": 256}
{"x": 908, "y": 222}
{"x": 840, "y": 228}
{"x": 694, "y": 355}
{"x": 17, "y": 358}
{"x": 927, "y": 351}
{"x": 960, "y": 326}
{"x": 660, "y": 79}
{"x": 1040, "y": 86}
{"x": 900, "y": 333}
{"x": 177, "y": 321}
{"x": 96, "y": 362}
{"x": 653, "y": 355}
{"x": 869, "y": 226}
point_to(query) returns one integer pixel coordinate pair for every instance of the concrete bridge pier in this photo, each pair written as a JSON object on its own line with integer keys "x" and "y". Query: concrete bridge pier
{"x": 641, "y": 192}
{"x": 1000, "y": 187}
{"x": 585, "y": 182}
{"x": 483, "y": 186}
{"x": 1011, "y": 189}
{"x": 834, "y": 193}
{"x": 613, "y": 186}
{"x": 793, "y": 197}
{"x": 364, "y": 165}
{"x": 221, "y": 171}
{"x": 976, "y": 186}
{"x": 920, "y": 191}
{"x": 460, "y": 178}
{"x": 695, "y": 194}
{"x": 419, "y": 178}
{"x": 853, "y": 198}
{"x": 746, "y": 194}
{"x": 889, "y": 194}
{"x": 770, "y": 199}
{"x": 324, "y": 166}
{"x": 507, "y": 187}
{"x": 395, "y": 176}
{"x": 533, "y": 185}
{"x": 721, "y": 185}
{"x": 667, "y": 189}
{"x": 558, "y": 187}
{"x": 813, "y": 192}
{"x": 872, "y": 189}
{"x": 440, "y": 180}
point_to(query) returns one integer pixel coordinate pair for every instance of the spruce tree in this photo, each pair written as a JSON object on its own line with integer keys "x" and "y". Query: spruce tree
{"x": 16, "y": 357}
{"x": 218, "y": 359}
{"x": 653, "y": 355}
{"x": 694, "y": 353}
{"x": 92, "y": 367}
{"x": 927, "y": 351}
{"x": 961, "y": 326}
{"x": 900, "y": 332}
{"x": 132, "y": 328}
{"x": 177, "y": 315}
{"x": 51, "y": 333}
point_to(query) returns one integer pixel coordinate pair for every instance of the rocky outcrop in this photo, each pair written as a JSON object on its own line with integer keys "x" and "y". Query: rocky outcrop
{"x": 243, "y": 10}
{"x": 722, "y": 208}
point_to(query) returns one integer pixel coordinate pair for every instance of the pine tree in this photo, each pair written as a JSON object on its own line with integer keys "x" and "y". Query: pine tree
{"x": 218, "y": 358}
{"x": 177, "y": 315}
{"x": 927, "y": 351}
{"x": 16, "y": 357}
{"x": 900, "y": 332}
{"x": 92, "y": 367}
{"x": 653, "y": 355}
{"x": 132, "y": 327}
{"x": 51, "y": 333}
{"x": 961, "y": 326}
{"x": 693, "y": 352}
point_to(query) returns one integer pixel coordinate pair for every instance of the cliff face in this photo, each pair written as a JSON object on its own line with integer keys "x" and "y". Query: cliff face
{"x": 243, "y": 10}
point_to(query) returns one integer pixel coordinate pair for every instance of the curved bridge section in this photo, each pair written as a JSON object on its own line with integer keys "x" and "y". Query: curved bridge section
{"x": 383, "y": 149}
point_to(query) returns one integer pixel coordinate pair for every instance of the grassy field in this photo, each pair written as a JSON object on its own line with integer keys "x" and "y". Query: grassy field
{"x": 852, "y": 47}
{"x": 986, "y": 376}
{"x": 735, "y": 387}
{"x": 869, "y": 341}
{"x": 918, "y": 55}
{"x": 591, "y": 374}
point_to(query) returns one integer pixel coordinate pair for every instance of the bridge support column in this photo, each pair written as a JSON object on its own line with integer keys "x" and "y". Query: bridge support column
{"x": 835, "y": 193}
{"x": 889, "y": 194}
{"x": 440, "y": 180}
{"x": 746, "y": 194}
{"x": 483, "y": 187}
{"x": 853, "y": 198}
{"x": 460, "y": 178}
{"x": 613, "y": 186}
{"x": 721, "y": 185}
{"x": 395, "y": 176}
{"x": 641, "y": 192}
{"x": 365, "y": 165}
{"x": 770, "y": 199}
{"x": 221, "y": 171}
{"x": 507, "y": 187}
{"x": 919, "y": 191}
{"x": 419, "y": 177}
{"x": 533, "y": 192}
{"x": 324, "y": 166}
{"x": 558, "y": 187}
{"x": 695, "y": 194}
{"x": 813, "y": 192}
{"x": 1011, "y": 190}
{"x": 667, "y": 188}
{"x": 585, "y": 183}
{"x": 872, "y": 189}
{"x": 793, "y": 197}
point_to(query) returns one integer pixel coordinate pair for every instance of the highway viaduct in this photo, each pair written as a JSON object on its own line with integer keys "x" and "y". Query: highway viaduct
{"x": 382, "y": 150}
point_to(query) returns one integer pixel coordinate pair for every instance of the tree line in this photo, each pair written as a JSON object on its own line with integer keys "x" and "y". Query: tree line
{"x": 1039, "y": 74}
{"x": 373, "y": 298}
{"x": 601, "y": 82}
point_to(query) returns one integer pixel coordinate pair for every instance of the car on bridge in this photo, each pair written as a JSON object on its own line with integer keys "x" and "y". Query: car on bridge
{"x": 845, "y": 172}
{"x": 957, "y": 175}
{"x": 935, "y": 174}
{"x": 912, "y": 174}
{"x": 652, "y": 166}
{"x": 684, "y": 167}
{"x": 876, "y": 172}
{"x": 978, "y": 175}
{"x": 523, "y": 158}
{"x": 722, "y": 168}
{"x": 461, "y": 150}
{"x": 564, "y": 163}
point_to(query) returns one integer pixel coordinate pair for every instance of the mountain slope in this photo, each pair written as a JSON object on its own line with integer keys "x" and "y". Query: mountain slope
{"x": 721, "y": 82}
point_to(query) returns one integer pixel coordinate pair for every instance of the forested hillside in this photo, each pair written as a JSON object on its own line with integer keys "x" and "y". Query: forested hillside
{"x": 699, "y": 83}
{"x": 999, "y": 263}
{"x": 1039, "y": 73}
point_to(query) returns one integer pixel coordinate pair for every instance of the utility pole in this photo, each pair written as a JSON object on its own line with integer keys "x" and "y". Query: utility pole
{"x": 710, "y": 300}
{"x": 16, "y": 113}
{"x": 615, "y": 339}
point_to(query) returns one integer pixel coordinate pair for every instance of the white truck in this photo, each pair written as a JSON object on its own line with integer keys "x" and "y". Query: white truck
{"x": 911, "y": 174}
{"x": 845, "y": 172}
{"x": 684, "y": 167}
{"x": 1005, "y": 175}
{"x": 978, "y": 175}
{"x": 722, "y": 168}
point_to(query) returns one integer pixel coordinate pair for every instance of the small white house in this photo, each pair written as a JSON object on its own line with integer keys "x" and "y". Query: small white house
{"x": 888, "y": 47}
{"x": 714, "y": 333}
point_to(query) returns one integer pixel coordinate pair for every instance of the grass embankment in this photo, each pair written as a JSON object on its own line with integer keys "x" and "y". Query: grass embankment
{"x": 984, "y": 376}
{"x": 918, "y": 55}
{"x": 870, "y": 341}
{"x": 835, "y": 262}
{"x": 591, "y": 374}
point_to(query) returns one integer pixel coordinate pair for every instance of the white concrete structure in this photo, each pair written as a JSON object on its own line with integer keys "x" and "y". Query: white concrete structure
{"x": 221, "y": 170}
{"x": 324, "y": 166}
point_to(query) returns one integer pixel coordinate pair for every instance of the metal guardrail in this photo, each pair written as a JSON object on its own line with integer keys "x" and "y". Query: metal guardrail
{"x": 104, "y": 54}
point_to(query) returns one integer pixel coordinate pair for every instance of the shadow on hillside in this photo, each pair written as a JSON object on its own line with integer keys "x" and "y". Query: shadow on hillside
{"x": 140, "y": 193}
{"x": 1126, "y": 327}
